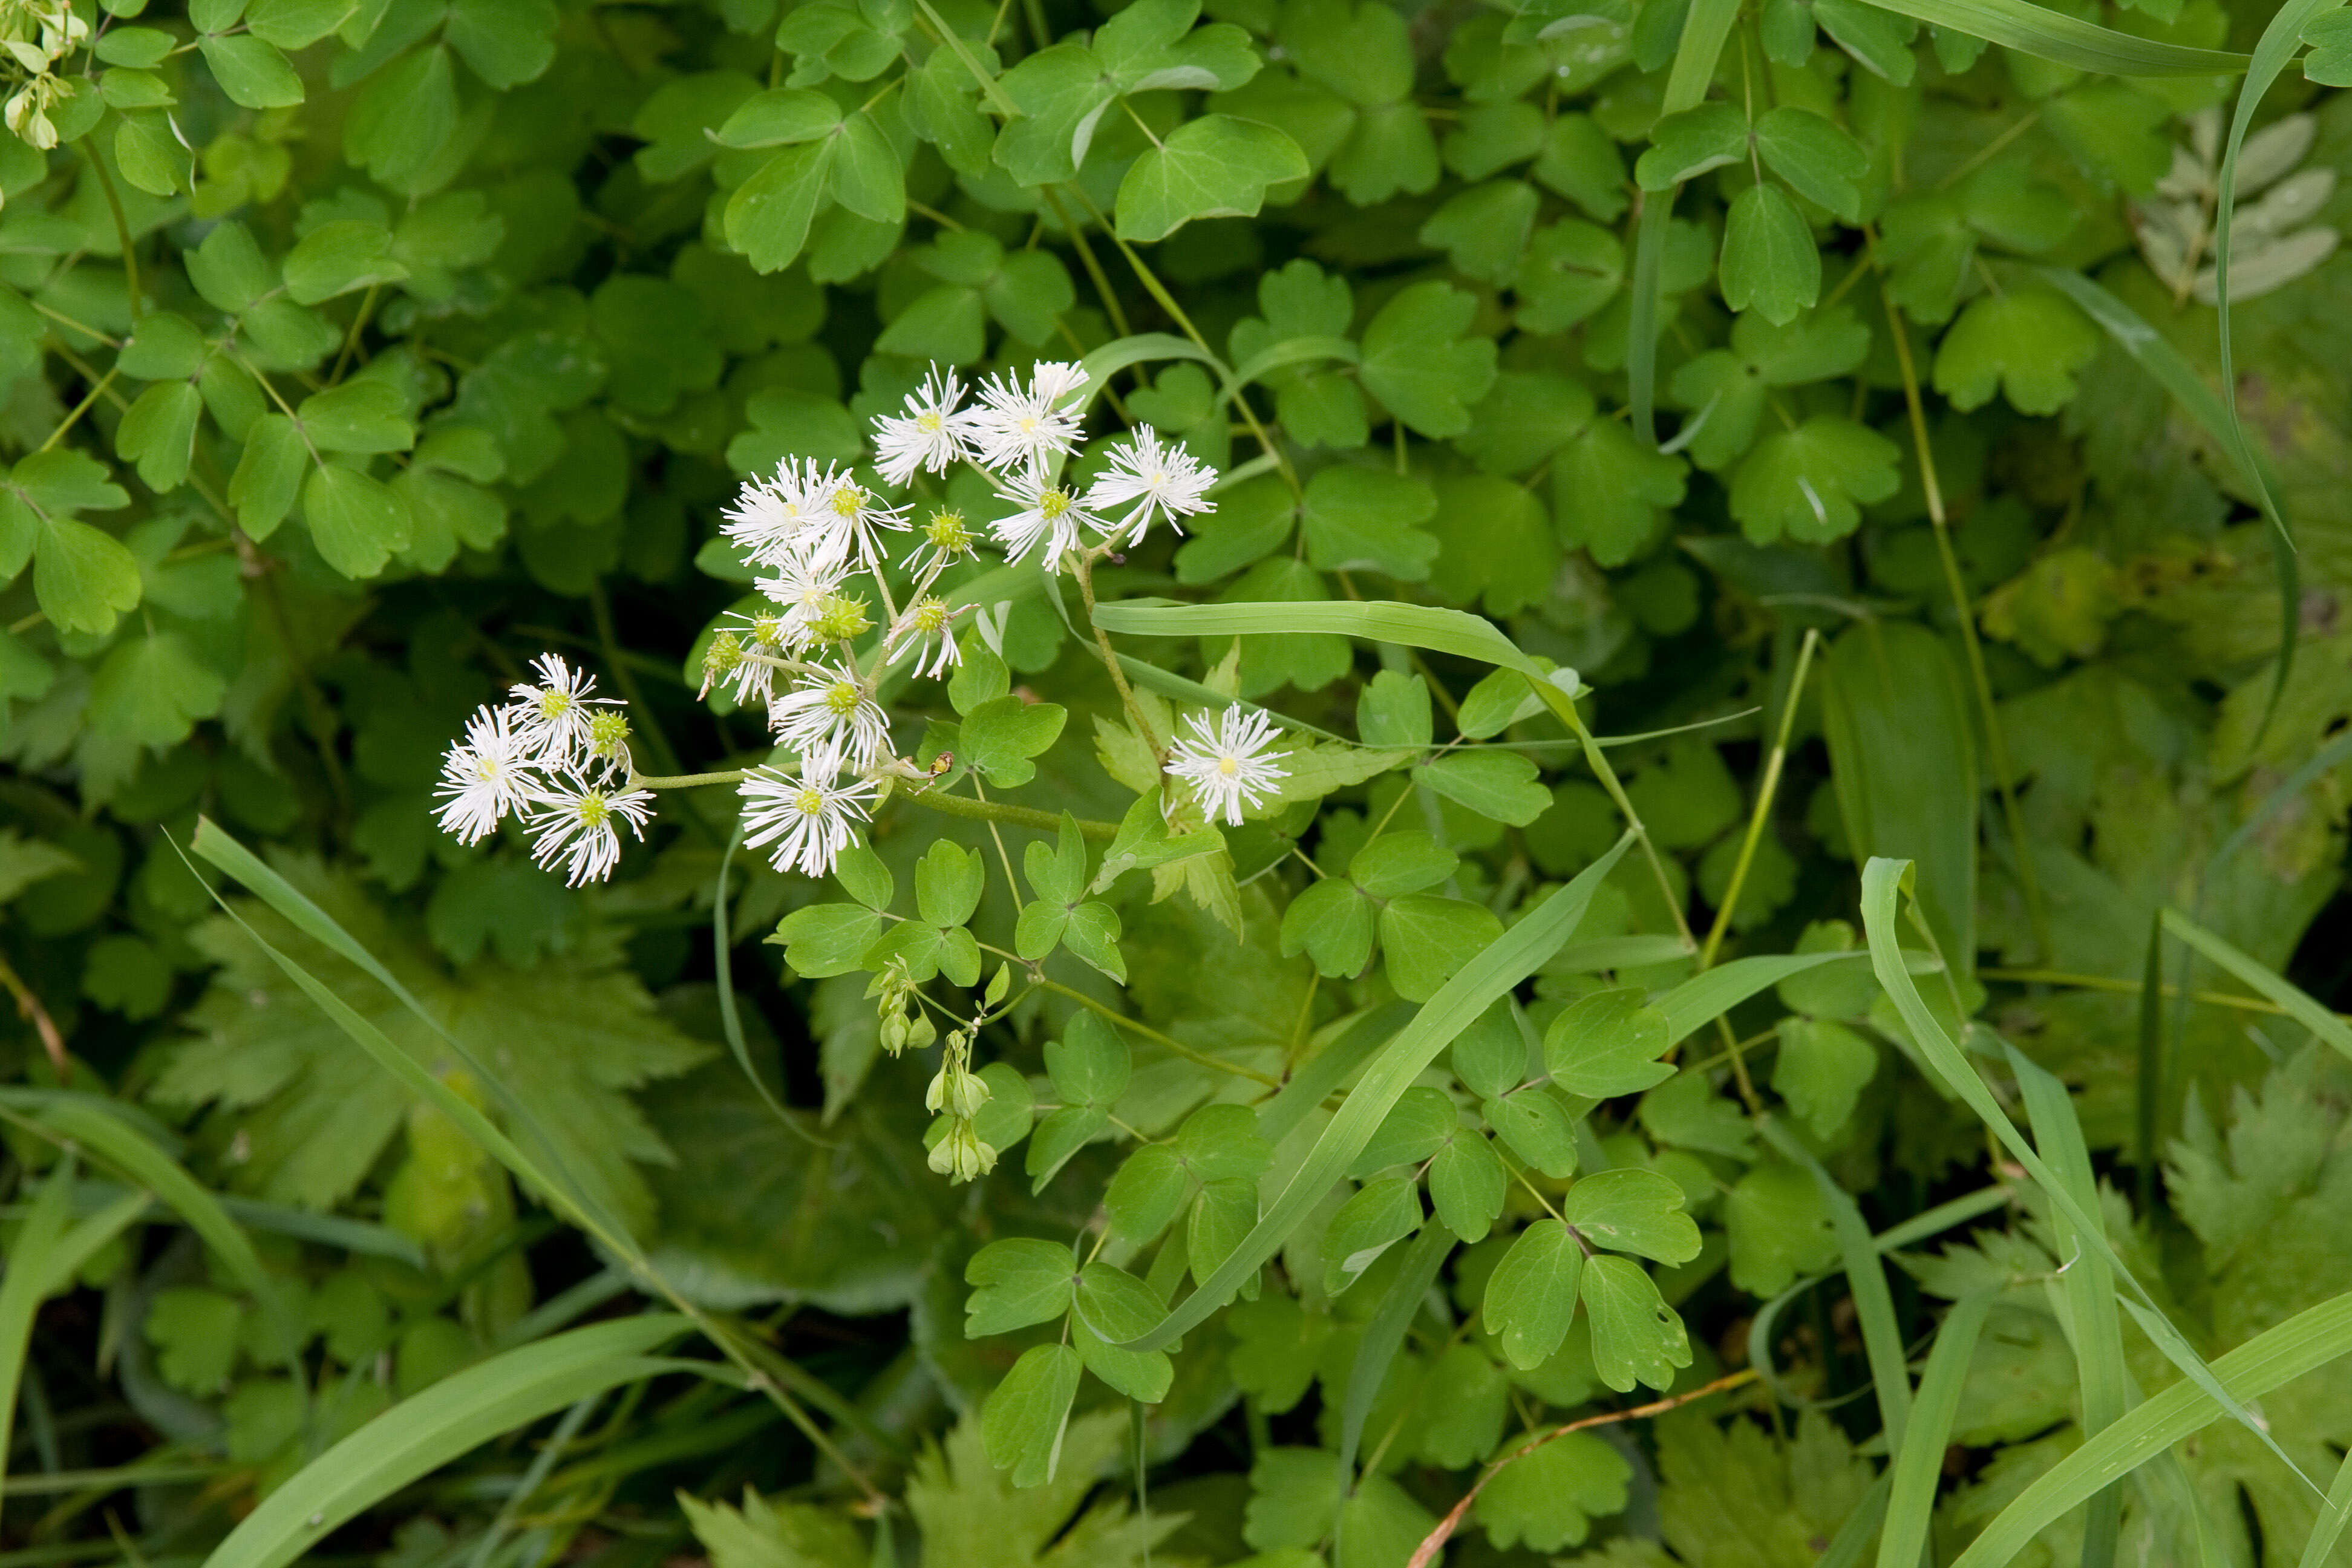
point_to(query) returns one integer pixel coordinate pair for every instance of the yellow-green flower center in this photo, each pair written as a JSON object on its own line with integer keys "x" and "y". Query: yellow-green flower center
{"x": 929, "y": 423}
{"x": 554, "y": 704}
{"x": 594, "y": 812}
{"x": 605, "y": 733}
{"x": 1227, "y": 766}
{"x": 931, "y": 615}
{"x": 946, "y": 531}
{"x": 1053, "y": 503}
{"x": 810, "y": 802}
{"x": 848, "y": 500}
{"x": 841, "y": 698}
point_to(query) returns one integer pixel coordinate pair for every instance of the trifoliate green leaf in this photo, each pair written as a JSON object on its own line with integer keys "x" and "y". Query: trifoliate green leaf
{"x": 1015, "y": 1283}
{"x": 1491, "y": 137}
{"x": 1686, "y": 145}
{"x": 1608, "y": 489}
{"x": 1809, "y": 483}
{"x": 1780, "y": 1228}
{"x": 152, "y": 690}
{"x": 1419, "y": 1123}
{"x": 1635, "y": 1335}
{"x": 2028, "y": 342}
{"x": 1550, "y": 1499}
{"x": 1770, "y": 263}
{"x": 1214, "y": 166}
{"x": 1821, "y": 1070}
{"x": 1023, "y": 1417}
{"x": 1365, "y": 519}
{"x": 1498, "y": 785}
{"x": 1532, "y": 1293}
{"x": 1377, "y": 1218}
{"x": 1333, "y": 923}
{"x": 1402, "y": 862}
{"x": 1579, "y": 162}
{"x": 1685, "y": 1111}
{"x": 1468, "y": 1184}
{"x": 1724, "y": 389}
{"x": 1394, "y": 710}
{"x": 1570, "y": 270}
{"x": 1427, "y": 940}
{"x": 1418, "y": 362}
{"x": 1535, "y": 1126}
{"x": 1607, "y": 1044}
{"x": 1638, "y": 1212}
{"x": 1483, "y": 229}
{"x": 1819, "y": 161}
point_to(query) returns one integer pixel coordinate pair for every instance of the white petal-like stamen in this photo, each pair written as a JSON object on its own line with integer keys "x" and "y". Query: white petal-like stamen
{"x": 1045, "y": 514}
{"x": 811, "y": 818}
{"x": 485, "y": 776}
{"x": 1014, "y": 425}
{"x": 771, "y": 518}
{"x": 578, "y": 823}
{"x": 1152, "y": 478}
{"x": 830, "y": 708}
{"x": 929, "y": 437}
{"x": 551, "y": 717}
{"x": 1223, "y": 765}
{"x": 844, "y": 518}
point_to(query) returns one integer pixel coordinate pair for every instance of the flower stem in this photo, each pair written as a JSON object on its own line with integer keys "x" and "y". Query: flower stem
{"x": 999, "y": 811}
{"x": 687, "y": 781}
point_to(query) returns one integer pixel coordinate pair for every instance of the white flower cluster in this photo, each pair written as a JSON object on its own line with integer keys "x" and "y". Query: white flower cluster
{"x": 556, "y": 756}
{"x": 820, "y": 534}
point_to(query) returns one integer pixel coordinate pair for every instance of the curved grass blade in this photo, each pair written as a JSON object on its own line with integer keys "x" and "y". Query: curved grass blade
{"x": 2298, "y": 1003}
{"x": 1705, "y": 29}
{"x": 1919, "y": 1462}
{"x": 2309, "y": 1339}
{"x": 2332, "y": 1518}
{"x": 2055, "y": 36}
{"x": 427, "y": 1430}
{"x": 1700, "y": 1000}
{"x": 1323, "y": 1072}
{"x": 2219, "y": 417}
{"x": 1882, "y": 880}
{"x": 1289, "y": 352}
{"x": 1168, "y": 683}
{"x": 1384, "y": 1336}
{"x": 2287, "y": 793}
{"x": 1501, "y": 967}
{"x": 2088, "y": 1288}
{"x": 1852, "y": 1539}
{"x": 237, "y": 860}
{"x": 111, "y": 1140}
{"x": 33, "y": 1262}
{"x": 730, "y": 1022}
{"x": 1866, "y": 1277}
{"x": 1119, "y": 354}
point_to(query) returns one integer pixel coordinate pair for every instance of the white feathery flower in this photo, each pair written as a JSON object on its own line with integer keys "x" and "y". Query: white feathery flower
{"x": 801, "y": 586}
{"x": 810, "y": 818}
{"x": 771, "y": 518}
{"x": 927, "y": 618}
{"x": 1153, "y": 478}
{"x": 929, "y": 437}
{"x": 578, "y": 823}
{"x": 484, "y": 777}
{"x": 1017, "y": 426}
{"x": 844, "y": 516}
{"x": 759, "y": 636}
{"x": 1045, "y": 513}
{"x": 1223, "y": 765}
{"x": 829, "y": 708}
{"x": 551, "y": 717}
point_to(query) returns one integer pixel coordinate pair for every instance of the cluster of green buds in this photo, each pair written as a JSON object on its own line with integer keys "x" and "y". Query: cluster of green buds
{"x": 957, "y": 1094}
{"x": 903, "y": 1023}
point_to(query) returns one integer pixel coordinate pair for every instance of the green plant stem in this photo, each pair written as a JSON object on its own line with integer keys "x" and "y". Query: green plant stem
{"x": 2072, "y": 981}
{"x": 70, "y": 420}
{"x": 29, "y": 1008}
{"x": 999, "y": 811}
{"x": 1086, "y": 259}
{"x": 689, "y": 781}
{"x": 2004, "y": 776}
{"x": 1198, "y": 1058}
{"x": 1085, "y": 572}
{"x": 1763, "y": 810}
{"x": 1167, "y": 301}
{"x": 359, "y": 325}
{"x": 122, "y": 232}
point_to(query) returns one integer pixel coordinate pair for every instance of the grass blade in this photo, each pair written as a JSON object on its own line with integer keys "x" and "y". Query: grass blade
{"x": 427, "y": 1430}
{"x": 2309, "y": 1339}
{"x": 1700, "y": 1000}
{"x": 1852, "y": 1539}
{"x": 1384, "y": 1336}
{"x": 33, "y": 1262}
{"x": 1919, "y": 1461}
{"x": 2055, "y": 36}
{"x": 1882, "y": 880}
{"x": 731, "y": 1021}
{"x": 1705, "y": 28}
{"x": 2216, "y": 414}
{"x": 1873, "y": 1303}
{"x": 2298, "y": 1003}
{"x": 2324, "y": 1534}
{"x": 1168, "y": 683}
{"x": 2149, "y": 1086}
{"x": 1494, "y": 973}
{"x": 2088, "y": 1288}
{"x": 110, "y": 1139}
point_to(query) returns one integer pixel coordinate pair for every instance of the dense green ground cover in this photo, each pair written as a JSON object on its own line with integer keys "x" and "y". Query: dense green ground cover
{"x": 1682, "y": 462}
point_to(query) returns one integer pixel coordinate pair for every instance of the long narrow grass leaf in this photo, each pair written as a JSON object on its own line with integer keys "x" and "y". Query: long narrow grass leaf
{"x": 1705, "y": 997}
{"x": 1506, "y": 960}
{"x": 2088, "y": 1285}
{"x": 2299, "y": 1004}
{"x": 1881, "y": 881}
{"x": 111, "y": 1140}
{"x": 2149, "y": 1083}
{"x": 1384, "y": 1336}
{"x": 2069, "y": 41}
{"x": 1865, "y": 1276}
{"x": 1919, "y": 1461}
{"x": 1854, "y": 1537}
{"x": 2324, "y": 1533}
{"x": 2218, "y": 415}
{"x": 1168, "y": 683}
{"x": 32, "y": 1265}
{"x": 427, "y": 1430}
{"x": 2309, "y": 1339}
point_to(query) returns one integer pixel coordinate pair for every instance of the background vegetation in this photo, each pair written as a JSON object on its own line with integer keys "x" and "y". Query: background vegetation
{"x": 1824, "y": 408}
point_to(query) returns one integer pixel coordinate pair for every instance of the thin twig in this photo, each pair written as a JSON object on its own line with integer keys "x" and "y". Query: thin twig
{"x": 29, "y": 1008}
{"x": 1434, "y": 1542}
{"x": 1198, "y": 1058}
